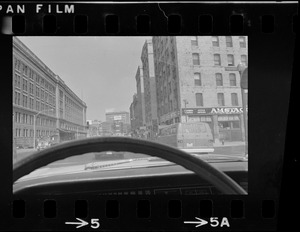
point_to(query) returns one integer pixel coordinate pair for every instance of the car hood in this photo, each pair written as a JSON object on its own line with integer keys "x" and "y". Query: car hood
{"x": 101, "y": 166}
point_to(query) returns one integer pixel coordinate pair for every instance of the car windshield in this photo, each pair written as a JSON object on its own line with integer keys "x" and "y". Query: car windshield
{"x": 181, "y": 91}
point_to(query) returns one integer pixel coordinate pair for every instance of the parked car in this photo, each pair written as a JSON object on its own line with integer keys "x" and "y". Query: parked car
{"x": 42, "y": 145}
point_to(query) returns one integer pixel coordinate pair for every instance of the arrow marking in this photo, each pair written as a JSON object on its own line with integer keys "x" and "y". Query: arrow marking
{"x": 80, "y": 224}
{"x": 200, "y": 222}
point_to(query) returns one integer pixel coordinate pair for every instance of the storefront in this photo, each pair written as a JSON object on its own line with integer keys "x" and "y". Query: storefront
{"x": 169, "y": 118}
{"x": 226, "y": 123}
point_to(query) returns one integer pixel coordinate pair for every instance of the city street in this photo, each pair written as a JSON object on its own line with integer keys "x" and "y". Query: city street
{"x": 226, "y": 149}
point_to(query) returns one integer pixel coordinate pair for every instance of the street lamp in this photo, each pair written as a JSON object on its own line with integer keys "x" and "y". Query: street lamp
{"x": 34, "y": 119}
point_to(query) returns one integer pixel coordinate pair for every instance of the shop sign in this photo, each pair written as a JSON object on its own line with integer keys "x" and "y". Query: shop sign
{"x": 227, "y": 110}
{"x": 117, "y": 117}
{"x": 213, "y": 110}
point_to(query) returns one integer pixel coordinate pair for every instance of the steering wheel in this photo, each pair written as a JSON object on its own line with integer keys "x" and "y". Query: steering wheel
{"x": 99, "y": 144}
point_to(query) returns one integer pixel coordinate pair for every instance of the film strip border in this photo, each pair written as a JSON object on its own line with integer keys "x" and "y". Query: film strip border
{"x": 249, "y": 213}
{"x": 169, "y": 212}
{"x": 142, "y": 19}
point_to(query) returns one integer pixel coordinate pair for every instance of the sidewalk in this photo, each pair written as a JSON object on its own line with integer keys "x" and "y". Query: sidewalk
{"x": 229, "y": 144}
{"x": 25, "y": 150}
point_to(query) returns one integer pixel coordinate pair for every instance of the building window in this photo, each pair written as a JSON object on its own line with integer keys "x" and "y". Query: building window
{"x": 16, "y": 63}
{"x": 230, "y": 59}
{"x": 196, "y": 59}
{"x": 232, "y": 79}
{"x": 236, "y": 124}
{"x": 221, "y": 101}
{"x": 24, "y": 85}
{"x": 197, "y": 79}
{"x": 234, "y": 99}
{"x": 31, "y": 74}
{"x": 31, "y": 103}
{"x": 194, "y": 40}
{"x": 19, "y": 65}
{"x": 37, "y": 92}
{"x": 17, "y": 81}
{"x": 217, "y": 59}
{"x": 219, "y": 79}
{"x": 215, "y": 41}
{"x": 16, "y": 97}
{"x": 199, "y": 99}
{"x": 26, "y": 104}
{"x": 25, "y": 70}
{"x": 228, "y": 41}
{"x": 42, "y": 94}
{"x": 242, "y": 41}
{"x": 37, "y": 105}
{"x": 244, "y": 60}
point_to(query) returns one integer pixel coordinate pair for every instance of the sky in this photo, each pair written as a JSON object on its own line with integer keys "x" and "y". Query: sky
{"x": 99, "y": 70}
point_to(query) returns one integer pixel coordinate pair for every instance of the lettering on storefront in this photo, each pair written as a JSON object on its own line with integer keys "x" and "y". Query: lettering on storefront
{"x": 214, "y": 110}
{"x": 226, "y": 110}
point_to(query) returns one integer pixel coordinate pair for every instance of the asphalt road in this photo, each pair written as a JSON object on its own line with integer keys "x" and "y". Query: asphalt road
{"x": 87, "y": 158}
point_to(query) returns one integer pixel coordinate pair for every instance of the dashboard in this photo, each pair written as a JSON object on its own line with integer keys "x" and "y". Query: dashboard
{"x": 166, "y": 180}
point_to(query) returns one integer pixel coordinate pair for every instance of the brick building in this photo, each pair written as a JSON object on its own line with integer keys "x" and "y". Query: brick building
{"x": 93, "y": 128}
{"x": 42, "y": 100}
{"x": 134, "y": 114}
{"x": 120, "y": 122}
{"x": 140, "y": 98}
{"x": 197, "y": 80}
{"x": 149, "y": 88}
{"x": 105, "y": 129}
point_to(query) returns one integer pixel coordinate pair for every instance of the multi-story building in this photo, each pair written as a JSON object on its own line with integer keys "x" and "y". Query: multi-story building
{"x": 120, "y": 122}
{"x": 133, "y": 115}
{"x": 141, "y": 122}
{"x": 106, "y": 129}
{"x": 197, "y": 80}
{"x": 122, "y": 116}
{"x": 43, "y": 105}
{"x": 71, "y": 113}
{"x": 93, "y": 128}
{"x": 149, "y": 88}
